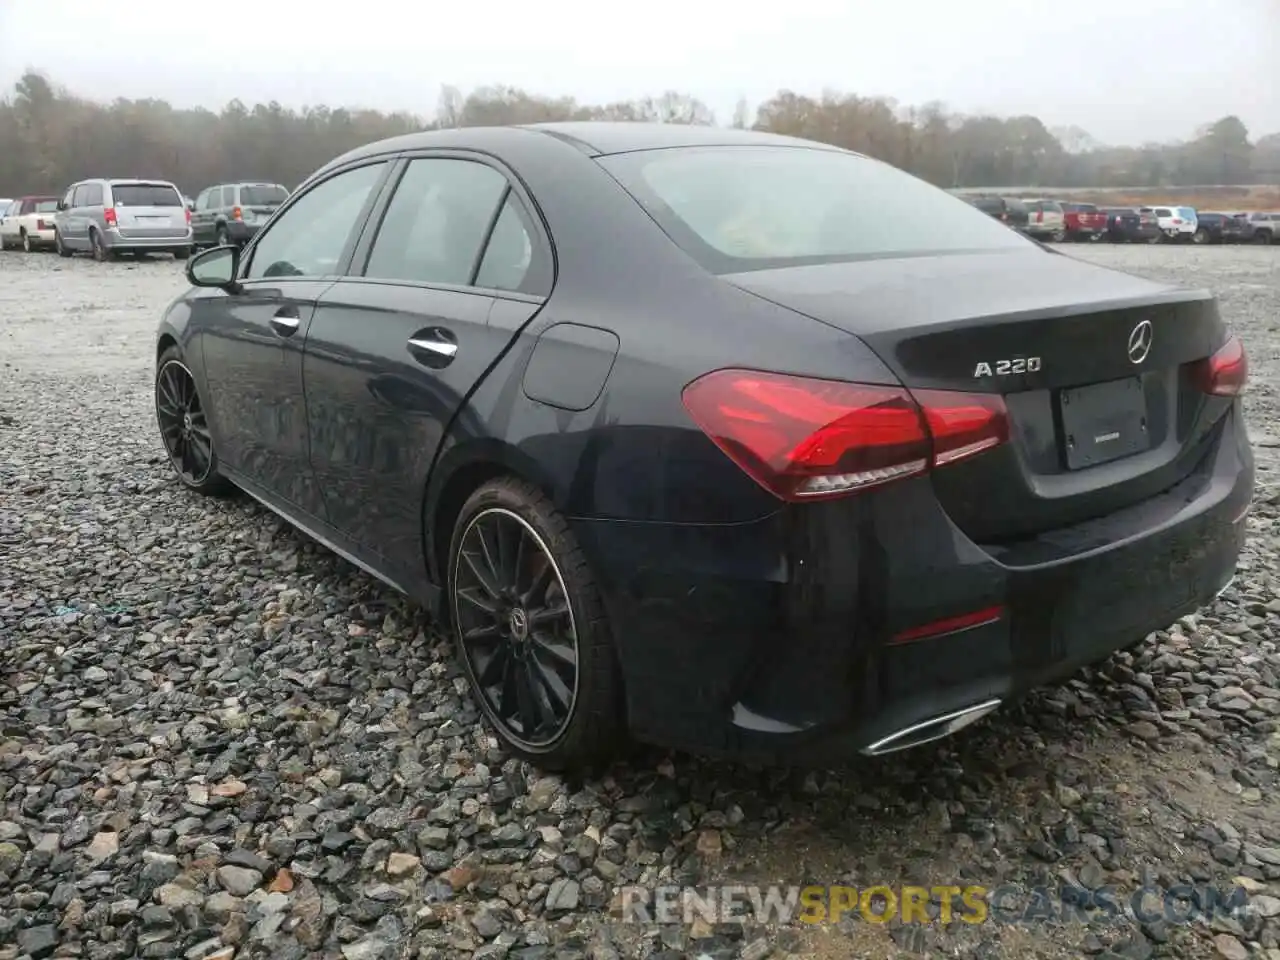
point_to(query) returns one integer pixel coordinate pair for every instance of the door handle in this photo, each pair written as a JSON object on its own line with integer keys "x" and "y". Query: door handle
{"x": 434, "y": 347}
{"x": 285, "y": 322}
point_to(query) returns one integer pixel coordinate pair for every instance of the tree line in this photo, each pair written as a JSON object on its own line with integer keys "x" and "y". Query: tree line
{"x": 50, "y": 137}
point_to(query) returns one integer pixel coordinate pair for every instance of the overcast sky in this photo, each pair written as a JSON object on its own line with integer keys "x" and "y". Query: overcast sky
{"x": 1124, "y": 70}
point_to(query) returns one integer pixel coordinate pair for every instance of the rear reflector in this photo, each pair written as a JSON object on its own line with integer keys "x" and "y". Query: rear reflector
{"x": 948, "y": 625}
{"x": 803, "y": 439}
{"x": 1225, "y": 373}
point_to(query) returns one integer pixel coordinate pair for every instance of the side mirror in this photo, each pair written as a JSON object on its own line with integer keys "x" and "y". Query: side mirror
{"x": 62, "y": 205}
{"x": 215, "y": 268}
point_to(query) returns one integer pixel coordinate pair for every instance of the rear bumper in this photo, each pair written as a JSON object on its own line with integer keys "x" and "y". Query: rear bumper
{"x": 115, "y": 240}
{"x": 770, "y": 639}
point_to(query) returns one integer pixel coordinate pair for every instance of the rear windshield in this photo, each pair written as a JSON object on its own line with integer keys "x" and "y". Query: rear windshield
{"x": 1186, "y": 213}
{"x": 751, "y": 208}
{"x": 145, "y": 195}
{"x": 258, "y": 196}
{"x": 1015, "y": 205}
{"x": 45, "y": 206}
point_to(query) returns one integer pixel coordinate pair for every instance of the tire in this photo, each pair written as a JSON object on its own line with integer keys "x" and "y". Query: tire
{"x": 1262, "y": 237}
{"x": 182, "y": 253}
{"x": 224, "y": 238}
{"x": 27, "y": 246}
{"x": 57, "y": 245}
{"x": 100, "y": 251}
{"x": 592, "y": 728}
{"x": 1058, "y": 236}
{"x": 201, "y": 475}
{"x": 1201, "y": 236}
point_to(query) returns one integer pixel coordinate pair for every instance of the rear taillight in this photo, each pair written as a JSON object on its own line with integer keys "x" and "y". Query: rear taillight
{"x": 804, "y": 439}
{"x": 43, "y": 225}
{"x": 1039, "y": 216}
{"x": 236, "y": 214}
{"x": 1225, "y": 373}
{"x": 188, "y": 213}
{"x": 109, "y": 216}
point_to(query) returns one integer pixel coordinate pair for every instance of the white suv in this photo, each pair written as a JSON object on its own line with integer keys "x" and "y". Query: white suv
{"x": 1176, "y": 223}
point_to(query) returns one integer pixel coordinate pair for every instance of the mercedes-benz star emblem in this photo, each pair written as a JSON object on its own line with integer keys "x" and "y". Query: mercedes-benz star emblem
{"x": 1140, "y": 342}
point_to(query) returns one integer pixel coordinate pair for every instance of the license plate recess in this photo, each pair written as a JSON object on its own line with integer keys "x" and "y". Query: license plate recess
{"x": 1103, "y": 422}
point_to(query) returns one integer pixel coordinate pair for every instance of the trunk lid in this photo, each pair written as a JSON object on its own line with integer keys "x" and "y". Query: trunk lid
{"x": 1091, "y": 430}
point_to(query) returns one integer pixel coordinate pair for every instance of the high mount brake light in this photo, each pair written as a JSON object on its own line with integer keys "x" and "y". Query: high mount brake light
{"x": 803, "y": 439}
{"x": 1225, "y": 373}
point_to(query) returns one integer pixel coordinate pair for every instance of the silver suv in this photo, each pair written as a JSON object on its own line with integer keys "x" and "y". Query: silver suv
{"x": 106, "y": 217}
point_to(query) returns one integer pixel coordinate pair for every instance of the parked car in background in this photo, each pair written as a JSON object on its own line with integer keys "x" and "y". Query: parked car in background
{"x": 1046, "y": 220}
{"x": 234, "y": 212}
{"x": 1213, "y": 227}
{"x": 28, "y": 223}
{"x": 1235, "y": 227}
{"x": 1008, "y": 210}
{"x": 4, "y": 202}
{"x": 1084, "y": 221}
{"x": 1177, "y": 224}
{"x": 1126, "y": 225}
{"x": 1261, "y": 227}
{"x": 108, "y": 217}
{"x": 845, "y": 482}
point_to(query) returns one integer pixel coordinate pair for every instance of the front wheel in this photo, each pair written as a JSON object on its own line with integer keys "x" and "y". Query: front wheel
{"x": 184, "y": 427}
{"x": 531, "y": 631}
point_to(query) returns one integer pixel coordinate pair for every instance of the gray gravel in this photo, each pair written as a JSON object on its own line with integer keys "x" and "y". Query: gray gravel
{"x": 217, "y": 739}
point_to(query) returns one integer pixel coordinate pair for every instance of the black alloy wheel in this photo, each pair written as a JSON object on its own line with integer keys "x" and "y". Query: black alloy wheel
{"x": 183, "y": 426}
{"x": 530, "y": 629}
{"x": 517, "y": 630}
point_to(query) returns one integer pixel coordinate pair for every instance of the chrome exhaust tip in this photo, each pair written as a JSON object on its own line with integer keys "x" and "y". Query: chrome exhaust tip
{"x": 929, "y": 730}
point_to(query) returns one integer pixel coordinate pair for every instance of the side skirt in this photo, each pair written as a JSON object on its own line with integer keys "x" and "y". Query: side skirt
{"x": 417, "y": 588}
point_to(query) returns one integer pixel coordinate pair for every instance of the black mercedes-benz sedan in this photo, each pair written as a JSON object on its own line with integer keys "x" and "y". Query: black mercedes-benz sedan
{"x": 710, "y": 438}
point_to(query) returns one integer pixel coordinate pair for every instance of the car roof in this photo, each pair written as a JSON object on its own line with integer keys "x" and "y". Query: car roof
{"x": 592, "y": 137}
{"x": 37, "y": 196}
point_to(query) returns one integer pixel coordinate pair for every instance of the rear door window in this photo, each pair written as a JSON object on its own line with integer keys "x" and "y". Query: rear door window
{"x": 145, "y": 195}
{"x": 436, "y": 223}
{"x": 228, "y": 198}
{"x": 1163, "y": 212}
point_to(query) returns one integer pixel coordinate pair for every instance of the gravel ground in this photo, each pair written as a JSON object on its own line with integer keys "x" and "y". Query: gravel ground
{"x": 218, "y": 740}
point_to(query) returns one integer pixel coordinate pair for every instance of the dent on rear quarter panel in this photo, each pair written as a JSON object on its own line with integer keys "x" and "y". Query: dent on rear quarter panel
{"x": 570, "y": 365}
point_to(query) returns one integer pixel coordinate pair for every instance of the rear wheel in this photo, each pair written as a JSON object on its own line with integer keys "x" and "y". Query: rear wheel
{"x": 101, "y": 253}
{"x": 1263, "y": 237}
{"x": 224, "y": 238}
{"x": 1058, "y": 236}
{"x": 182, "y": 253}
{"x": 184, "y": 428}
{"x": 530, "y": 629}
{"x": 26, "y": 242}
{"x": 57, "y": 245}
